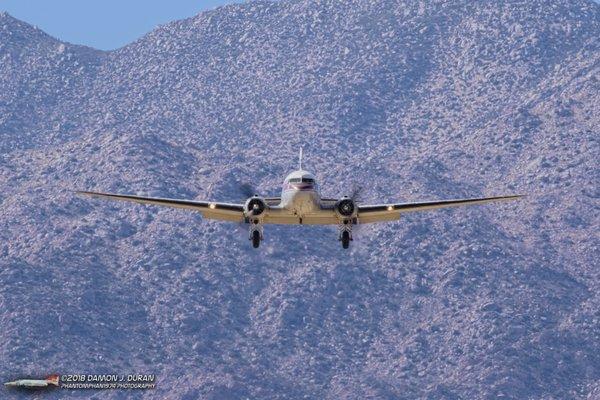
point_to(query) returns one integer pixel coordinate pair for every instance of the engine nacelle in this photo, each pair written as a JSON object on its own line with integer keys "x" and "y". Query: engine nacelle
{"x": 345, "y": 208}
{"x": 255, "y": 206}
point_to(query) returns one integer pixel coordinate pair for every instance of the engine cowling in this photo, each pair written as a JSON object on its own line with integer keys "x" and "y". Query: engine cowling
{"x": 255, "y": 206}
{"x": 345, "y": 208}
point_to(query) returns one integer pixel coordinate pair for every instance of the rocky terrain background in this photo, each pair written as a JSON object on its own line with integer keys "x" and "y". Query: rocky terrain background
{"x": 413, "y": 100}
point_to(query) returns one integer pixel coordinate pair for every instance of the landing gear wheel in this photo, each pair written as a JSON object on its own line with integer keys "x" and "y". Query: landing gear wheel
{"x": 255, "y": 239}
{"x": 345, "y": 239}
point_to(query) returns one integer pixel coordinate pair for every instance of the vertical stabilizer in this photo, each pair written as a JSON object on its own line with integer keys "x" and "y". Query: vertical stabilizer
{"x": 300, "y": 160}
{"x": 53, "y": 380}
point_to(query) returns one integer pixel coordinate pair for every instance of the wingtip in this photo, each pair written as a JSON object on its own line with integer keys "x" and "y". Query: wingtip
{"x": 84, "y": 193}
{"x": 512, "y": 197}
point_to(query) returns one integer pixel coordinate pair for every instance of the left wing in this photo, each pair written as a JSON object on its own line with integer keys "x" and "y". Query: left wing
{"x": 390, "y": 212}
{"x": 209, "y": 209}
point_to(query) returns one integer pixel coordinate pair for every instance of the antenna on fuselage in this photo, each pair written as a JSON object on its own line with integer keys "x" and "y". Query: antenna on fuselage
{"x": 300, "y": 159}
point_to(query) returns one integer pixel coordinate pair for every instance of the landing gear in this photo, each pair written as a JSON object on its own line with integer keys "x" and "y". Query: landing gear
{"x": 255, "y": 239}
{"x": 345, "y": 233}
{"x": 256, "y": 234}
{"x": 345, "y": 239}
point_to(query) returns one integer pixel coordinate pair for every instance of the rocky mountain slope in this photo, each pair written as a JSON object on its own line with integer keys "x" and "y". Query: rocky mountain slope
{"x": 412, "y": 100}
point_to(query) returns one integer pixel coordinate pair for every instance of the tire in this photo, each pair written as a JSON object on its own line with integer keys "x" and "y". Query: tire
{"x": 255, "y": 239}
{"x": 345, "y": 239}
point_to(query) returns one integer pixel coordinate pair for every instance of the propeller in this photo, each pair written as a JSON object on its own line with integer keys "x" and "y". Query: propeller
{"x": 255, "y": 206}
{"x": 356, "y": 192}
{"x": 356, "y": 195}
{"x": 247, "y": 189}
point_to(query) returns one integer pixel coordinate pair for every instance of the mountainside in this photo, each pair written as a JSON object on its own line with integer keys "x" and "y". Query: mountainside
{"x": 411, "y": 100}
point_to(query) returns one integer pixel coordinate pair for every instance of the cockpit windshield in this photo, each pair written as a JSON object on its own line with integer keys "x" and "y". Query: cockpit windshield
{"x": 301, "y": 183}
{"x": 303, "y": 180}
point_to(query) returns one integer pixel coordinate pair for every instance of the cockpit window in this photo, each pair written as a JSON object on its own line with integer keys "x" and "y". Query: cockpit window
{"x": 308, "y": 180}
{"x": 295, "y": 180}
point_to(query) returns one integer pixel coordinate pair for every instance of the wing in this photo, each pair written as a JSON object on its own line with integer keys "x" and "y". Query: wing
{"x": 390, "y": 212}
{"x": 209, "y": 209}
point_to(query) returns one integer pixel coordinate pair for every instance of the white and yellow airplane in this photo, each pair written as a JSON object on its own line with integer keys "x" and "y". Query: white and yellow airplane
{"x": 35, "y": 383}
{"x": 300, "y": 203}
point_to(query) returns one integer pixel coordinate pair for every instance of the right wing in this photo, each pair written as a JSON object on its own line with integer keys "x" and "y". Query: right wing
{"x": 208, "y": 209}
{"x": 390, "y": 212}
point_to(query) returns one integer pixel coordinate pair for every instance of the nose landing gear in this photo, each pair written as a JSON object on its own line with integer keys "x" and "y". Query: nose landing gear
{"x": 345, "y": 233}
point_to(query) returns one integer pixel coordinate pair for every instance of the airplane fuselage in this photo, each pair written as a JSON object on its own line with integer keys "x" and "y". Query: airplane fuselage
{"x": 300, "y": 193}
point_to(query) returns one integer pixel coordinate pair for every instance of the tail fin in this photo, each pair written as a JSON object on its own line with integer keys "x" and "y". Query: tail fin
{"x": 52, "y": 380}
{"x": 300, "y": 159}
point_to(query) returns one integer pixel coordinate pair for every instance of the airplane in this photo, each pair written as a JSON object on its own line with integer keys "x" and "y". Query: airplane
{"x": 34, "y": 383}
{"x": 300, "y": 203}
